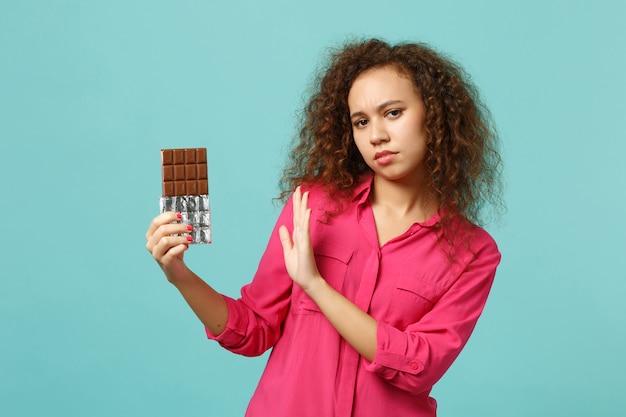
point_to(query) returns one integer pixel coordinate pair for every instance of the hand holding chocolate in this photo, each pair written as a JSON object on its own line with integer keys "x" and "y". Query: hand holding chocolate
{"x": 186, "y": 189}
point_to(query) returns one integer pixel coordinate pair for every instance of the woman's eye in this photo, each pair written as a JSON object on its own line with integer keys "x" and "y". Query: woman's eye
{"x": 394, "y": 112}
{"x": 360, "y": 123}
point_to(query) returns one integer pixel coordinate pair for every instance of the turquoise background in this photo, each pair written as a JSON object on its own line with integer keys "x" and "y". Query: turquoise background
{"x": 90, "y": 91}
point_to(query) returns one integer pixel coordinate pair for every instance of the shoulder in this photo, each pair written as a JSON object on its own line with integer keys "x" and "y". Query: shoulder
{"x": 480, "y": 238}
{"x": 483, "y": 248}
{"x": 467, "y": 243}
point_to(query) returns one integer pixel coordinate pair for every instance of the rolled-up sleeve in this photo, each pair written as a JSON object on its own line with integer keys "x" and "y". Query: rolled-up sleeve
{"x": 415, "y": 358}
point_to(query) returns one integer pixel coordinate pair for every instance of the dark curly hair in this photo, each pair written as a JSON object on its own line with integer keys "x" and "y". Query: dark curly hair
{"x": 462, "y": 160}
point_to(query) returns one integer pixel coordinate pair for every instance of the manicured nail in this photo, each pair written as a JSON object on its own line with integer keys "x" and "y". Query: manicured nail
{"x": 189, "y": 227}
{"x": 189, "y": 239}
{"x": 180, "y": 216}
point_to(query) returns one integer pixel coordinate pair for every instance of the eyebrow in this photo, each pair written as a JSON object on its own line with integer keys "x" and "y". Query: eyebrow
{"x": 378, "y": 108}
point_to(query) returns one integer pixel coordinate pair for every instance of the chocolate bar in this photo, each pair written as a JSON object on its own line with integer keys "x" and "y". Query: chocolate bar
{"x": 185, "y": 188}
{"x": 184, "y": 172}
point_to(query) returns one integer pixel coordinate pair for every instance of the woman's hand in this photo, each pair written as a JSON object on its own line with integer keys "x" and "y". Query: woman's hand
{"x": 297, "y": 248}
{"x": 165, "y": 246}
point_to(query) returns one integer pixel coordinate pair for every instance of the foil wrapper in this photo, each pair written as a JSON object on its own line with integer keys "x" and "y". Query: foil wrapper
{"x": 195, "y": 211}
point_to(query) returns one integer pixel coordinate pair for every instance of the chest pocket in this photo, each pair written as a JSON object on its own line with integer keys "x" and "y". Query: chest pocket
{"x": 332, "y": 261}
{"x": 413, "y": 296}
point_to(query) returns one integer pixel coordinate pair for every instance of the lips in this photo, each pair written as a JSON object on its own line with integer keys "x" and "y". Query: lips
{"x": 382, "y": 154}
{"x": 384, "y": 157}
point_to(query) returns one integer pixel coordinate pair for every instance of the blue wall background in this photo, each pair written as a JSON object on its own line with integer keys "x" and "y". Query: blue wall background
{"x": 91, "y": 90}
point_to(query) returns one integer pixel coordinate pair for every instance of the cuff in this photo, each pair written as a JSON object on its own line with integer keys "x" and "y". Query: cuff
{"x": 392, "y": 354}
{"x": 236, "y": 325}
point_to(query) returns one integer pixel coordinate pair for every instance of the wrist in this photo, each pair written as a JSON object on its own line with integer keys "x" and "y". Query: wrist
{"x": 177, "y": 273}
{"x": 316, "y": 288}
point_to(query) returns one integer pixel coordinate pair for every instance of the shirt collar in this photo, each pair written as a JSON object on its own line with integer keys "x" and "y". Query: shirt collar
{"x": 362, "y": 192}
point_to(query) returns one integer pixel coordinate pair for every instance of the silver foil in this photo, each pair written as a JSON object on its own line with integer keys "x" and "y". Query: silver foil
{"x": 195, "y": 211}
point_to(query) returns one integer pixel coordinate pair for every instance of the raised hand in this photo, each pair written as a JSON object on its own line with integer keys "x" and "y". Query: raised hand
{"x": 297, "y": 248}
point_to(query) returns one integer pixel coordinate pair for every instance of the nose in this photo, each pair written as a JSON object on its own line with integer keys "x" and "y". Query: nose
{"x": 378, "y": 133}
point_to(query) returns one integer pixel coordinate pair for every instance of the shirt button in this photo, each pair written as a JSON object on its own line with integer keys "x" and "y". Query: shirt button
{"x": 414, "y": 365}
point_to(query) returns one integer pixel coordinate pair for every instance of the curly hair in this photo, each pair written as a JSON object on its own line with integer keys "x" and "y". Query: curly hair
{"x": 462, "y": 159}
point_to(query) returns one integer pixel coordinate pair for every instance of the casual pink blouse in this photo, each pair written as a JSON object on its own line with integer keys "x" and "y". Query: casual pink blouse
{"x": 425, "y": 305}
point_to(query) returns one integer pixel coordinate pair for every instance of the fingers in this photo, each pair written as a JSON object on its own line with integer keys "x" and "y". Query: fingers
{"x": 300, "y": 207}
{"x": 169, "y": 247}
{"x": 161, "y": 219}
{"x": 297, "y": 247}
{"x": 285, "y": 238}
{"x": 301, "y": 218}
{"x": 165, "y": 233}
{"x": 304, "y": 206}
{"x": 301, "y": 221}
{"x": 297, "y": 200}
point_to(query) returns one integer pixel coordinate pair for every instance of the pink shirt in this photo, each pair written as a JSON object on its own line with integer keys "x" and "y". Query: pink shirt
{"x": 426, "y": 308}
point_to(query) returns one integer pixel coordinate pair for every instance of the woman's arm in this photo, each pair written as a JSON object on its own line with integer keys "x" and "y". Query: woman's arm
{"x": 352, "y": 323}
{"x": 168, "y": 250}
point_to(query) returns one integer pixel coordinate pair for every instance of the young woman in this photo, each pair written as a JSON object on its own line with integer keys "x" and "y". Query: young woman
{"x": 376, "y": 272}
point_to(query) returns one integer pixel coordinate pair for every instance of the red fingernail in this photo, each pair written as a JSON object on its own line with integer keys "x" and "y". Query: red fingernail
{"x": 189, "y": 227}
{"x": 189, "y": 239}
{"x": 180, "y": 216}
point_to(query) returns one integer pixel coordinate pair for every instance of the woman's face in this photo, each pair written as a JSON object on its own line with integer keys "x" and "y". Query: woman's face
{"x": 387, "y": 116}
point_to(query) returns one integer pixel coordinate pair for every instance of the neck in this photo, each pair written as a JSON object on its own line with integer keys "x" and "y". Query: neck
{"x": 403, "y": 198}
